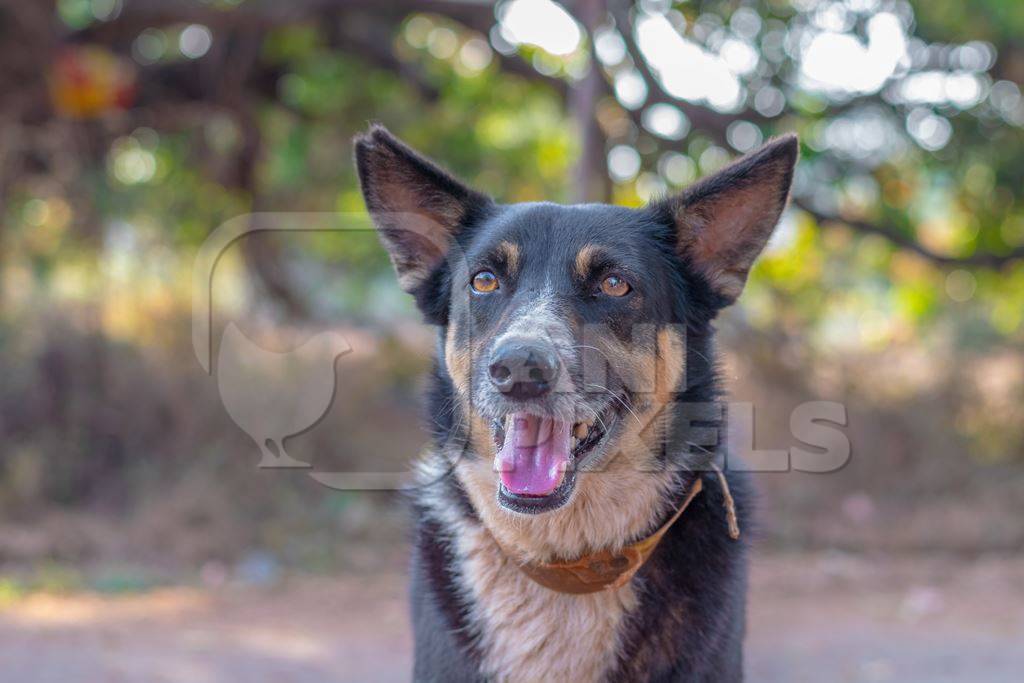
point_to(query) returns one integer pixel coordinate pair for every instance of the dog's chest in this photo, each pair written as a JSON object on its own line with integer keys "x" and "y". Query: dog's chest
{"x": 530, "y": 633}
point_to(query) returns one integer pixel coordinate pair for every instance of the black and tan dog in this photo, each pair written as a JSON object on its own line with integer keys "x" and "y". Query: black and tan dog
{"x": 572, "y": 524}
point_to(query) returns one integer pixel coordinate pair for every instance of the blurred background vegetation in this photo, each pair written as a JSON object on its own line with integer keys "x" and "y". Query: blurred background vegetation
{"x": 131, "y": 129}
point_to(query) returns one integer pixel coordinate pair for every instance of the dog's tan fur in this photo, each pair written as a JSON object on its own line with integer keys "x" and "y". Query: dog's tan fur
{"x": 531, "y": 633}
{"x": 459, "y": 362}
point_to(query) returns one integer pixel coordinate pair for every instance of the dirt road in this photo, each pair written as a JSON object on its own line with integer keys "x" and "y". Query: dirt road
{"x": 813, "y": 618}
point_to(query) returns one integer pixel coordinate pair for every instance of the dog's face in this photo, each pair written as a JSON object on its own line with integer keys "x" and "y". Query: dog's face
{"x": 566, "y": 327}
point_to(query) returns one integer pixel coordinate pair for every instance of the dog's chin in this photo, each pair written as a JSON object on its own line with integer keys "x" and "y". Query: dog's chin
{"x": 587, "y": 450}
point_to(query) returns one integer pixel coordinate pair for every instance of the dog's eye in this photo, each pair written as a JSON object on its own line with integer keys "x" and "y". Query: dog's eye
{"x": 485, "y": 281}
{"x": 613, "y": 285}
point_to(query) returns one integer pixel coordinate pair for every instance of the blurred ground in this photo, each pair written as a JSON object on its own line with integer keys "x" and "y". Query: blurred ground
{"x": 813, "y": 617}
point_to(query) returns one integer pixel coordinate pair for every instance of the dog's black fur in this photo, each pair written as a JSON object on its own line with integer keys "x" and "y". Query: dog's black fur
{"x": 689, "y": 623}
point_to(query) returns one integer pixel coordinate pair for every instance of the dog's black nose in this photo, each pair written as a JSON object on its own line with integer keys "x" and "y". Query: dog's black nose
{"x": 522, "y": 369}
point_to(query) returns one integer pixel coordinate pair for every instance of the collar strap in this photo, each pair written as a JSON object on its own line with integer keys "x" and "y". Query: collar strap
{"x": 603, "y": 569}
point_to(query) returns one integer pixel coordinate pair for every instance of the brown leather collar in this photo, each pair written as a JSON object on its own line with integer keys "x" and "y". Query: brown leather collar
{"x": 603, "y": 569}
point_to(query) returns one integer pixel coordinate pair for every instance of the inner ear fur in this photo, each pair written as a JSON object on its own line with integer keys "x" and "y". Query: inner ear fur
{"x": 417, "y": 207}
{"x": 724, "y": 221}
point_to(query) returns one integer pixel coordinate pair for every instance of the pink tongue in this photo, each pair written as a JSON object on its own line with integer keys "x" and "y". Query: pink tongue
{"x": 535, "y": 455}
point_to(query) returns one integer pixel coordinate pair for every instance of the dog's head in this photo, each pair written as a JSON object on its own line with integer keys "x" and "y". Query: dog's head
{"x": 565, "y": 328}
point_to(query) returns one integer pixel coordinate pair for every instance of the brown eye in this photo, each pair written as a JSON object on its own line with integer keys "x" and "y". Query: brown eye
{"x": 613, "y": 285}
{"x": 485, "y": 281}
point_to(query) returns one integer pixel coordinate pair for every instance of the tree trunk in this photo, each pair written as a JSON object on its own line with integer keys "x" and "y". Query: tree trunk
{"x": 590, "y": 181}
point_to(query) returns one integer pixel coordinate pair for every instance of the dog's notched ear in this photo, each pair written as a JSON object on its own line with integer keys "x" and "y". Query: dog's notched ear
{"x": 417, "y": 206}
{"x": 724, "y": 221}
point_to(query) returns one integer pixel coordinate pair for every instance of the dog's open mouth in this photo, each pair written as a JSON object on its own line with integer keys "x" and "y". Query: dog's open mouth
{"x": 538, "y": 457}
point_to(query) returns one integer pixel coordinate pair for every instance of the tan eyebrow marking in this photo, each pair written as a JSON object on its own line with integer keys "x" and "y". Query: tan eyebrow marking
{"x": 511, "y": 253}
{"x": 584, "y": 258}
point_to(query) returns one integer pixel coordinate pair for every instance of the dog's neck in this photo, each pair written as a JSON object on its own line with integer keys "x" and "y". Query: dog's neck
{"x": 604, "y": 569}
{"x": 604, "y": 515}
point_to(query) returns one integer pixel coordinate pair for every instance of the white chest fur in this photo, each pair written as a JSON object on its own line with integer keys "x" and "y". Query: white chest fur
{"x": 530, "y": 633}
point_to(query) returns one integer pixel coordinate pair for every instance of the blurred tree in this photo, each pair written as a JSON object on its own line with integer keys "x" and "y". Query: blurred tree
{"x": 910, "y": 116}
{"x": 130, "y": 129}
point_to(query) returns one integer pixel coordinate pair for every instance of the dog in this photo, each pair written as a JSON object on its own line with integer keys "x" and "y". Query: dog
{"x": 572, "y": 521}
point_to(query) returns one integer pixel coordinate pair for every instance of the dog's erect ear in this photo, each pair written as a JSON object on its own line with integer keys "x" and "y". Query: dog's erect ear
{"x": 724, "y": 221}
{"x": 418, "y": 207}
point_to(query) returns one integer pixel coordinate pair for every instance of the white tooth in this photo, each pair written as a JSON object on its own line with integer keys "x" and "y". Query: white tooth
{"x": 580, "y": 430}
{"x": 575, "y": 442}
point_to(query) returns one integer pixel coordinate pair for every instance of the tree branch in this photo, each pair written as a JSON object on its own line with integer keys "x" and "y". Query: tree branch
{"x": 715, "y": 125}
{"x": 894, "y": 236}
